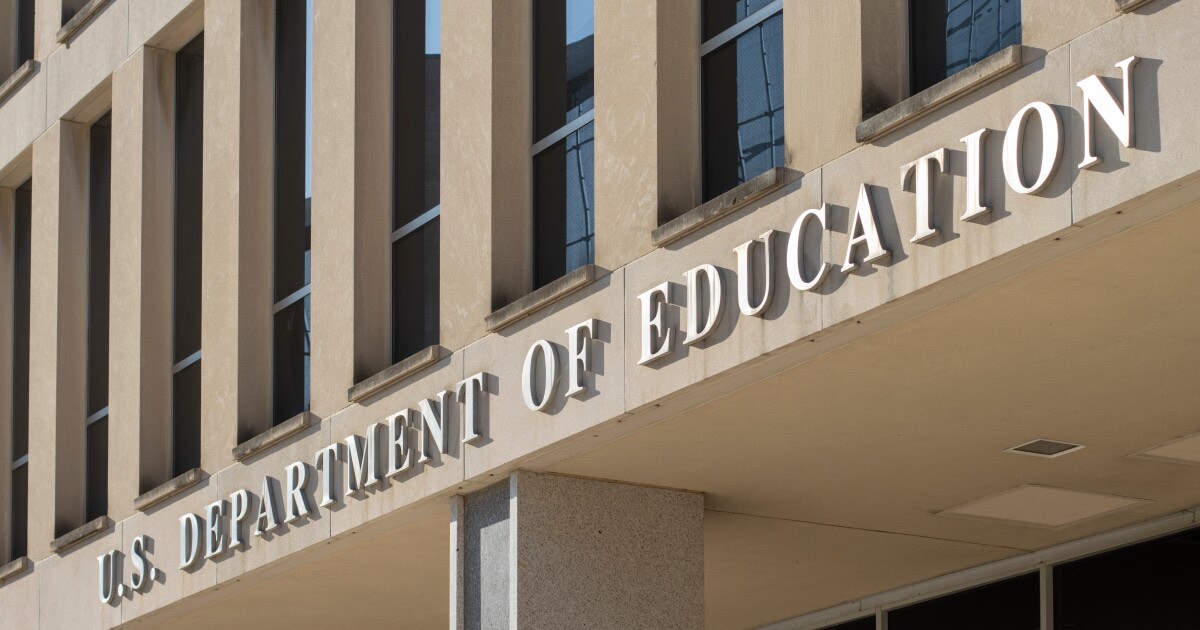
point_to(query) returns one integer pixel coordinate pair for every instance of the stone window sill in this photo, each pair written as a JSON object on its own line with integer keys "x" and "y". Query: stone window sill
{"x": 947, "y": 91}
{"x": 738, "y": 197}
{"x": 13, "y": 568}
{"x": 79, "y": 20}
{"x": 1125, "y": 6}
{"x": 80, "y": 534}
{"x": 404, "y": 368}
{"x": 292, "y": 426}
{"x": 541, "y": 298}
{"x": 168, "y": 490}
{"x": 14, "y": 80}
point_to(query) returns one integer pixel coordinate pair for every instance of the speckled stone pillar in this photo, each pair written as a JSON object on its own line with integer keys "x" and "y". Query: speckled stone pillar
{"x": 546, "y": 551}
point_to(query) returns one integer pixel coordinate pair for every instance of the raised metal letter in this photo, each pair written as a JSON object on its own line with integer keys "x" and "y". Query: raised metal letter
{"x": 924, "y": 189}
{"x": 654, "y": 326}
{"x": 529, "y": 375}
{"x": 795, "y": 250}
{"x": 716, "y": 303}
{"x": 1118, "y": 119}
{"x": 1051, "y": 147}
{"x": 975, "y": 207}
{"x": 863, "y": 219}
{"x": 745, "y": 275}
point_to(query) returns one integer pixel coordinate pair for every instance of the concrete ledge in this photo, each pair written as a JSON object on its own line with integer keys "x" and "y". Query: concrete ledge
{"x": 946, "y": 91}
{"x": 1125, "y": 6}
{"x": 276, "y": 434}
{"x": 405, "y": 367}
{"x": 10, "y": 569}
{"x": 717, "y": 207}
{"x": 14, "y": 80}
{"x": 79, "y": 20}
{"x": 541, "y": 298}
{"x": 80, "y": 534}
{"x": 168, "y": 489}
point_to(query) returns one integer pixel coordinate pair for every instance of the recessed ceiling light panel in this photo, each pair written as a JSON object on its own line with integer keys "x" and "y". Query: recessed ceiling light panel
{"x": 1046, "y": 448}
{"x": 1043, "y": 506}
{"x": 1185, "y": 450}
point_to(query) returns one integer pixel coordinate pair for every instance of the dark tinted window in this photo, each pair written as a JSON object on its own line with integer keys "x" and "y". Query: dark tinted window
{"x": 564, "y": 219}
{"x": 70, "y": 8}
{"x": 20, "y": 380}
{"x": 96, "y": 462}
{"x": 99, "y": 195}
{"x": 96, "y": 434}
{"x": 24, "y": 33}
{"x": 563, "y": 163}
{"x": 1013, "y": 604}
{"x": 19, "y": 540}
{"x": 416, "y": 181}
{"x": 189, "y": 162}
{"x": 742, "y": 104}
{"x": 564, "y": 80}
{"x": 293, "y": 193}
{"x": 1150, "y": 585}
{"x": 947, "y": 36}
{"x": 19, "y": 502}
{"x": 722, "y": 14}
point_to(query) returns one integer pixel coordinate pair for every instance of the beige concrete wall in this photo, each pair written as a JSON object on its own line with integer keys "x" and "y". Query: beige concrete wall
{"x": 352, "y": 198}
{"x": 236, "y": 288}
{"x": 142, "y": 238}
{"x": 485, "y": 224}
{"x": 647, "y": 122}
{"x": 57, "y": 333}
{"x": 485, "y": 170}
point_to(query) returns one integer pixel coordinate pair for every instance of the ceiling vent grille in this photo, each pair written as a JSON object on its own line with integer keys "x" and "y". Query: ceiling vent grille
{"x": 1046, "y": 448}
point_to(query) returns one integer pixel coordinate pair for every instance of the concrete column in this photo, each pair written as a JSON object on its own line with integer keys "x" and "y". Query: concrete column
{"x": 647, "y": 122}
{"x": 486, "y": 221}
{"x": 140, "y": 327}
{"x": 47, "y": 20}
{"x": 546, "y": 551}
{"x": 8, "y": 37}
{"x": 57, "y": 333}
{"x": 238, "y": 177}
{"x": 821, "y": 65}
{"x": 7, "y": 253}
{"x": 352, "y": 197}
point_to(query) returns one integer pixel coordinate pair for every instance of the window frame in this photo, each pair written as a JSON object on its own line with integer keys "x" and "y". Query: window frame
{"x": 711, "y": 45}
{"x": 541, "y": 145}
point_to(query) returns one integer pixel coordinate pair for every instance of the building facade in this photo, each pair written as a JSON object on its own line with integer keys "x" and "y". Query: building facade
{"x": 599, "y": 313}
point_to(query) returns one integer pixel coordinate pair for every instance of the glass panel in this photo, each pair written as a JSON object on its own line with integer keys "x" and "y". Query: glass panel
{"x": 947, "y": 36}
{"x": 292, "y": 351}
{"x": 293, "y": 145}
{"x": 186, "y": 436}
{"x": 1150, "y": 585}
{"x": 99, "y": 172}
{"x": 96, "y": 461}
{"x": 416, "y": 87}
{"x": 1013, "y": 604}
{"x": 742, "y": 98}
{"x": 70, "y": 8}
{"x": 20, "y": 380}
{"x": 415, "y": 290}
{"x": 563, "y": 78}
{"x": 19, "y": 539}
{"x": 722, "y": 14}
{"x": 563, "y": 212}
{"x": 189, "y": 192}
{"x": 24, "y": 32}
